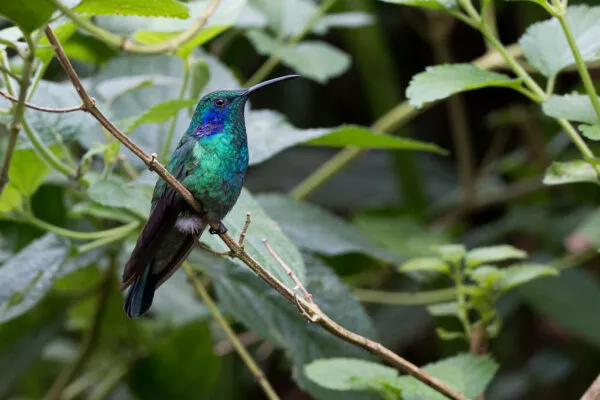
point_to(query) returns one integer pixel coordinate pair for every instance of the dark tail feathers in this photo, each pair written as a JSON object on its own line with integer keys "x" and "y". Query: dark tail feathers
{"x": 140, "y": 295}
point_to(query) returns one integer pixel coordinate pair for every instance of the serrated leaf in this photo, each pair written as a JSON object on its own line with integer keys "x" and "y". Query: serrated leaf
{"x": 433, "y": 4}
{"x": 362, "y": 137}
{"x": 259, "y": 307}
{"x": 467, "y": 373}
{"x": 546, "y": 48}
{"x": 430, "y": 264}
{"x": 315, "y": 229}
{"x": 313, "y": 59}
{"x": 27, "y": 171}
{"x": 116, "y": 193}
{"x": 519, "y": 274}
{"x": 441, "y": 81}
{"x": 570, "y": 299}
{"x": 154, "y": 375}
{"x": 184, "y": 51}
{"x": 28, "y": 276}
{"x": 451, "y": 252}
{"x": 160, "y": 113}
{"x": 143, "y": 8}
{"x": 27, "y": 14}
{"x": 560, "y": 173}
{"x": 10, "y": 199}
{"x": 574, "y": 107}
{"x": 493, "y": 254}
{"x": 592, "y": 132}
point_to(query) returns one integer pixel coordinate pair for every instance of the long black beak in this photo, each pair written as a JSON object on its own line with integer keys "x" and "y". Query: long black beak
{"x": 265, "y": 83}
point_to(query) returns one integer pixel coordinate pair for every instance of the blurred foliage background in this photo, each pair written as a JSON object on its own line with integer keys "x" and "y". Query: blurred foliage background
{"x": 454, "y": 234}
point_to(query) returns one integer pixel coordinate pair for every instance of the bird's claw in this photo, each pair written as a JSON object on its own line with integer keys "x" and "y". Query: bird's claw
{"x": 219, "y": 231}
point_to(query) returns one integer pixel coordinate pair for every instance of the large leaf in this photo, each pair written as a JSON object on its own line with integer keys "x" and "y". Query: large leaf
{"x": 160, "y": 113}
{"x": 434, "y": 4}
{"x": 116, "y": 193}
{"x": 517, "y": 275}
{"x": 546, "y": 48}
{"x": 180, "y": 366}
{"x": 592, "y": 132}
{"x": 314, "y": 228}
{"x": 574, "y": 107}
{"x": 263, "y": 310}
{"x": 262, "y": 227}
{"x": 10, "y": 199}
{"x": 27, "y": 14}
{"x": 441, "y": 81}
{"x": 571, "y": 300}
{"x": 466, "y": 373}
{"x": 27, "y": 171}
{"x": 146, "y": 8}
{"x": 185, "y": 50}
{"x": 28, "y": 276}
{"x": 560, "y": 173}
{"x": 313, "y": 59}
{"x": 493, "y": 254}
{"x": 286, "y": 17}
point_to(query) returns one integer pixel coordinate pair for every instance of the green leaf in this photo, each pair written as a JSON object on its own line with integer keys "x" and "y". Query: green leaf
{"x": 27, "y": 14}
{"x": 116, "y": 193}
{"x": 574, "y": 107}
{"x": 433, "y": 4}
{"x": 444, "y": 334}
{"x": 27, "y": 171}
{"x": 12, "y": 35}
{"x": 200, "y": 75}
{"x": 286, "y": 17}
{"x": 592, "y": 132}
{"x": 143, "y": 8}
{"x": 206, "y": 34}
{"x": 88, "y": 49}
{"x": 159, "y": 375}
{"x": 493, "y": 254}
{"x": 27, "y": 277}
{"x": 350, "y": 135}
{"x": 314, "y": 228}
{"x": 260, "y": 308}
{"x": 351, "y": 19}
{"x": 430, "y": 264}
{"x": 546, "y": 48}
{"x": 451, "y": 252}
{"x": 449, "y": 309}
{"x": 262, "y": 227}
{"x": 343, "y": 373}
{"x": 313, "y": 59}
{"x": 486, "y": 275}
{"x": 10, "y": 199}
{"x": 560, "y": 173}
{"x": 402, "y": 235}
{"x": 467, "y": 373}
{"x": 441, "y": 81}
{"x": 517, "y": 275}
{"x": 160, "y": 113}
{"x": 570, "y": 299}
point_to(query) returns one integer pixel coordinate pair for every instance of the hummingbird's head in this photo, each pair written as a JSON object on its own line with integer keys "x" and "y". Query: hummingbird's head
{"x": 217, "y": 110}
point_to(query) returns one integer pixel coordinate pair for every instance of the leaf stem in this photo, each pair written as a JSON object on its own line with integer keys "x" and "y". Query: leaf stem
{"x": 405, "y": 299}
{"x": 235, "y": 342}
{"x": 310, "y": 309}
{"x": 581, "y": 67}
{"x": 273, "y": 61}
{"x": 109, "y": 233}
{"x": 463, "y": 307}
{"x": 7, "y": 96}
{"x": 164, "y": 154}
{"x": 18, "y": 112}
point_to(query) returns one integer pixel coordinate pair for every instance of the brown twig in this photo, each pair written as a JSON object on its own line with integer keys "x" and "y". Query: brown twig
{"x": 7, "y": 96}
{"x": 288, "y": 271}
{"x": 311, "y": 309}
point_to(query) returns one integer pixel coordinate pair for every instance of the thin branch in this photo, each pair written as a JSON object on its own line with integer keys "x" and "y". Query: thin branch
{"x": 235, "y": 342}
{"x": 311, "y": 309}
{"x": 40, "y": 108}
{"x": 89, "y": 342}
{"x": 288, "y": 271}
{"x": 18, "y": 113}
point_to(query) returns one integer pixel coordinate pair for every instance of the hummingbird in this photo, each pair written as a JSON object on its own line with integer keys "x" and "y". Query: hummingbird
{"x": 211, "y": 161}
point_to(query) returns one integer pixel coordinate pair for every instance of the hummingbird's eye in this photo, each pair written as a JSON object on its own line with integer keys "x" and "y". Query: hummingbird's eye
{"x": 220, "y": 101}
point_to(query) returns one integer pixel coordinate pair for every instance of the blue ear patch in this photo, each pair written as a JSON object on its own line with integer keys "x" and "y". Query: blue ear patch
{"x": 207, "y": 129}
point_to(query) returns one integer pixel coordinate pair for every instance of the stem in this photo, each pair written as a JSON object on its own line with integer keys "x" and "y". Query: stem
{"x": 89, "y": 342}
{"x": 125, "y": 44}
{"x": 310, "y": 310}
{"x": 581, "y": 67}
{"x": 463, "y": 310}
{"x": 273, "y": 61}
{"x": 164, "y": 154}
{"x": 106, "y": 234}
{"x": 18, "y": 112}
{"x": 6, "y": 72}
{"x": 405, "y": 299}
{"x": 237, "y": 345}
{"x": 40, "y": 108}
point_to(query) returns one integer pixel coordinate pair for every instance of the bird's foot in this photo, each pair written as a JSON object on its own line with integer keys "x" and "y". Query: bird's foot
{"x": 219, "y": 231}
